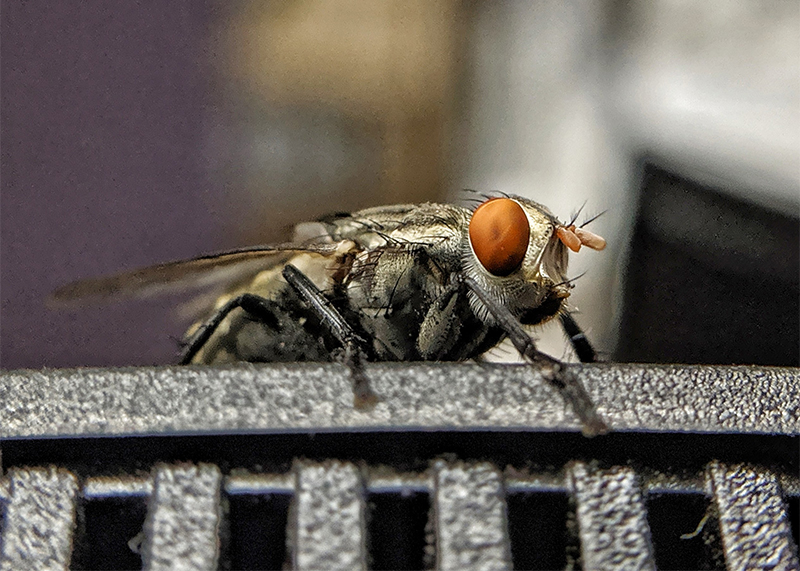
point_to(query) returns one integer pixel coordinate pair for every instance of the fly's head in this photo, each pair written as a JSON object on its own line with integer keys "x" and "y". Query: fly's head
{"x": 518, "y": 253}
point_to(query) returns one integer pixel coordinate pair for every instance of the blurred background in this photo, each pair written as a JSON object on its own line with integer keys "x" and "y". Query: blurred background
{"x": 138, "y": 133}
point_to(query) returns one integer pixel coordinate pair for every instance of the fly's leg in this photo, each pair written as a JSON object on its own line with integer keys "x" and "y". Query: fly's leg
{"x": 559, "y": 374}
{"x": 363, "y": 397}
{"x": 577, "y": 337}
{"x": 257, "y": 306}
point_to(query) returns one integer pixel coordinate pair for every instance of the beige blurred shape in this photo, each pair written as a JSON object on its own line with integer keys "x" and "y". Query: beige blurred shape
{"x": 383, "y": 59}
{"x": 388, "y": 68}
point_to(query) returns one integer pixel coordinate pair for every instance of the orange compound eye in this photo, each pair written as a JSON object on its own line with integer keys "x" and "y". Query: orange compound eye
{"x": 499, "y": 234}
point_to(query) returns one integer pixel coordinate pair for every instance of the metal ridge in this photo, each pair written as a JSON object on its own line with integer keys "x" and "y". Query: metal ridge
{"x": 302, "y": 397}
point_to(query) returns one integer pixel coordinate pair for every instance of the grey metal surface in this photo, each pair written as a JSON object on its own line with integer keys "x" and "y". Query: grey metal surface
{"x": 471, "y": 518}
{"x": 329, "y": 529}
{"x": 39, "y": 519}
{"x": 754, "y": 525}
{"x": 612, "y": 519}
{"x": 181, "y": 530}
{"x": 105, "y": 487}
{"x": 279, "y": 397}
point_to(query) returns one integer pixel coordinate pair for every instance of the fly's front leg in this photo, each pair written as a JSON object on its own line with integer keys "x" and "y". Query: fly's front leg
{"x": 343, "y": 331}
{"x": 559, "y": 374}
{"x": 577, "y": 337}
{"x": 257, "y": 306}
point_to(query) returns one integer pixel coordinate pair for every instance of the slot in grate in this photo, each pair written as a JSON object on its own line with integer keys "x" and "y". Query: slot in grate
{"x": 397, "y": 530}
{"x": 538, "y": 529}
{"x": 683, "y": 531}
{"x": 257, "y": 526}
{"x": 111, "y": 534}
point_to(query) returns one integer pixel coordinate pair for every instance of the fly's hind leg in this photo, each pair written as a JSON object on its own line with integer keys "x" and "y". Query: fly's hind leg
{"x": 363, "y": 397}
{"x": 559, "y": 374}
{"x": 577, "y": 337}
{"x": 257, "y": 306}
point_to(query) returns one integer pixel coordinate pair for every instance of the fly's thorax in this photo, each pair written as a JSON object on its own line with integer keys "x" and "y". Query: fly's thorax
{"x": 540, "y": 258}
{"x": 406, "y": 251}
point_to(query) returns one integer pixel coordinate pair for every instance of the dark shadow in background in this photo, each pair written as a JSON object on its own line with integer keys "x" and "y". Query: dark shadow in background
{"x": 710, "y": 279}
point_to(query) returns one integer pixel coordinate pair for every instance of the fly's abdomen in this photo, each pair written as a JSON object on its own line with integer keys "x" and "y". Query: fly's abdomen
{"x": 289, "y": 333}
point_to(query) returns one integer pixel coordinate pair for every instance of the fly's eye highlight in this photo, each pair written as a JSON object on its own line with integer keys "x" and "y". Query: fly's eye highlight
{"x": 499, "y": 234}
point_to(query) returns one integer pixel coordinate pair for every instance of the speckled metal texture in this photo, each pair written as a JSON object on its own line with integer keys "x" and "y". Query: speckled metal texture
{"x": 612, "y": 518}
{"x": 471, "y": 519}
{"x": 755, "y": 528}
{"x": 181, "y": 531}
{"x": 328, "y": 529}
{"x": 280, "y": 397}
{"x": 39, "y": 519}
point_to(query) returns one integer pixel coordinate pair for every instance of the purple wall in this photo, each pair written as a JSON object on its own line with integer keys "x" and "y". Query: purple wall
{"x": 103, "y": 111}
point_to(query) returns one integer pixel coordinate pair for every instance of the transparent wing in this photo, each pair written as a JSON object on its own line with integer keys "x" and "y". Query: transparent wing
{"x": 218, "y": 270}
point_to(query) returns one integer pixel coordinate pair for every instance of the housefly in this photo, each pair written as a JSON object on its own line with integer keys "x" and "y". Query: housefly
{"x": 414, "y": 282}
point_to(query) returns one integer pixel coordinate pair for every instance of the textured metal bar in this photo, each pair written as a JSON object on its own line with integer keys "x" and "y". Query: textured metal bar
{"x": 183, "y": 518}
{"x": 612, "y": 519}
{"x": 753, "y": 521}
{"x": 329, "y": 530}
{"x": 257, "y": 484}
{"x": 471, "y": 518}
{"x": 382, "y": 481}
{"x": 103, "y": 487}
{"x": 39, "y": 519}
{"x": 247, "y": 397}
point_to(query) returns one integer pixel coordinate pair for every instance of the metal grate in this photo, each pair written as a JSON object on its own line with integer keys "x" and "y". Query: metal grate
{"x": 464, "y": 467}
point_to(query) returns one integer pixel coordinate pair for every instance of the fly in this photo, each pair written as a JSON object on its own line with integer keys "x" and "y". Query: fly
{"x": 416, "y": 282}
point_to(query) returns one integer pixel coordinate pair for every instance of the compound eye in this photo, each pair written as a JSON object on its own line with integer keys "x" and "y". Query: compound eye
{"x": 499, "y": 234}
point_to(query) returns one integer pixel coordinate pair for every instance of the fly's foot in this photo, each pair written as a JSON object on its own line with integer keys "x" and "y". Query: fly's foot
{"x": 364, "y": 398}
{"x": 563, "y": 378}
